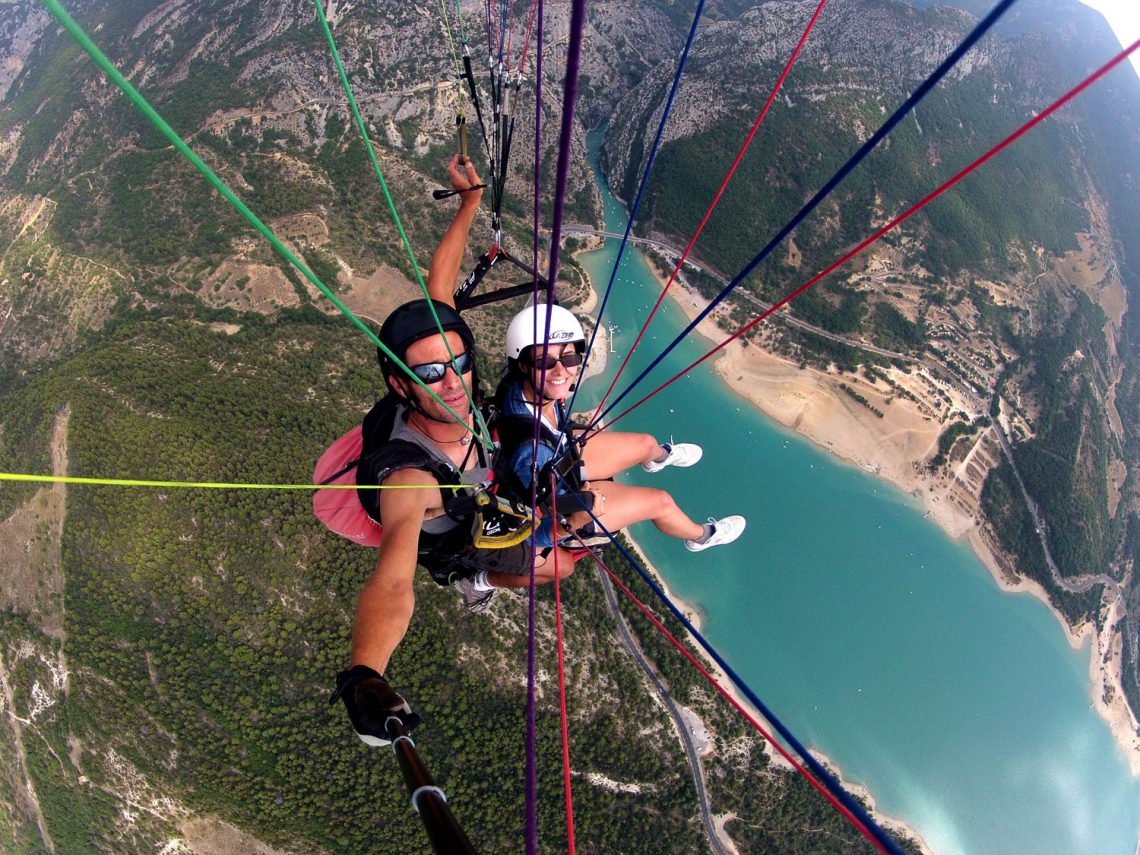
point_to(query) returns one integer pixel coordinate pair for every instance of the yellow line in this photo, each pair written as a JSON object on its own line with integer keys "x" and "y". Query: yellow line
{"x": 203, "y": 485}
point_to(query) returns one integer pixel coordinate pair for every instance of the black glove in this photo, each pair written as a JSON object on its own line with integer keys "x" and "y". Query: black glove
{"x": 370, "y": 702}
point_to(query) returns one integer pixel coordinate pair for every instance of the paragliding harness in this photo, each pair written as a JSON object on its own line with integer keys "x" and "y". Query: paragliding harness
{"x": 565, "y": 469}
{"x": 366, "y": 455}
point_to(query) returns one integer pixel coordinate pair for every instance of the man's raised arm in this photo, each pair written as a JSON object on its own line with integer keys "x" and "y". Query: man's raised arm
{"x": 445, "y": 263}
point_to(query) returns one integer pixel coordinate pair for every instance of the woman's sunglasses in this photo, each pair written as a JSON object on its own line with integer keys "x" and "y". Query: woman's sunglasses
{"x": 433, "y": 372}
{"x": 545, "y": 363}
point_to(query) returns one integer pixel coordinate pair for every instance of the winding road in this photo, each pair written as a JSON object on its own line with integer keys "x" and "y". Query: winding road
{"x": 678, "y": 720}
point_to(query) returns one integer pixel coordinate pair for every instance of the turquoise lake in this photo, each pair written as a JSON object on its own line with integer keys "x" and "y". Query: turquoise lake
{"x": 874, "y": 637}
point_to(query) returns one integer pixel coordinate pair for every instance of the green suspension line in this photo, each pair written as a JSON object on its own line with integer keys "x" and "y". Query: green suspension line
{"x": 396, "y": 217}
{"x": 368, "y": 143}
{"x": 84, "y": 41}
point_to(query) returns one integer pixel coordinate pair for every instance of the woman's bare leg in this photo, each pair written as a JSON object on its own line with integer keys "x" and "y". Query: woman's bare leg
{"x": 606, "y": 454}
{"x": 625, "y": 504}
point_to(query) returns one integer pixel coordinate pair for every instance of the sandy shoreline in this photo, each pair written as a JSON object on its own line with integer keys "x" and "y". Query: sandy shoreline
{"x": 811, "y": 403}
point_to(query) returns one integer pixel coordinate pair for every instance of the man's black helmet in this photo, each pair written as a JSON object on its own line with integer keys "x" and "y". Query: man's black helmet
{"x": 413, "y": 321}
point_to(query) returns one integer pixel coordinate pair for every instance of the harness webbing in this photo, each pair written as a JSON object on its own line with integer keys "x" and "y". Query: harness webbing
{"x": 899, "y": 114}
{"x": 465, "y": 297}
{"x": 469, "y": 76}
{"x": 917, "y": 206}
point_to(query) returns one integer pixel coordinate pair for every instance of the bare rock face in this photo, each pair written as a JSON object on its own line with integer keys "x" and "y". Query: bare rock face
{"x": 22, "y": 23}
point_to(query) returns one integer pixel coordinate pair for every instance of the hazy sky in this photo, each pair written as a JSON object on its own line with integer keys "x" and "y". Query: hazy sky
{"x": 1124, "y": 18}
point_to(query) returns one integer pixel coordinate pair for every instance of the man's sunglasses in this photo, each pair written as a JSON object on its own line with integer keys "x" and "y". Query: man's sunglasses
{"x": 545, "y": 363}
{"x": 433, "y": 372}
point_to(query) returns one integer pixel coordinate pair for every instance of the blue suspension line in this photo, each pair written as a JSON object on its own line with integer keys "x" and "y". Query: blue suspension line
{"x": 820, "y": 771}
{"x": 909, "y": 104}
{"x": 640, "y": 190}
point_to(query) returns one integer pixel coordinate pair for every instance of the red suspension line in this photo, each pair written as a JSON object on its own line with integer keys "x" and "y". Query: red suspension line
{"x": 529, "y": 31}
{"x": 759, "y": 728}
{"x": 492, "y": 36}
{"x": 507, "y": 46}
{"x": 930, "y": 197}
{"x": 562, "y": 682}
{"x": 716, "y": 199}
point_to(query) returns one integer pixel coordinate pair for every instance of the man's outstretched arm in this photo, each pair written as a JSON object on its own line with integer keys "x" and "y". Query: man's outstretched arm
{"x": 387, "y": 599}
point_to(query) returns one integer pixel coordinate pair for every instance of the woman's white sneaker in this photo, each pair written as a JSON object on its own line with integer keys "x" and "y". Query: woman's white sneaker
{"x": 725, "y": 530}
{"x": 681, "y": 454}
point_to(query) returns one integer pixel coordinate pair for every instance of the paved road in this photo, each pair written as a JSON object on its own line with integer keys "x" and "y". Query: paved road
{"x": 740, "y": 294}
{"x": 678, "y": 720}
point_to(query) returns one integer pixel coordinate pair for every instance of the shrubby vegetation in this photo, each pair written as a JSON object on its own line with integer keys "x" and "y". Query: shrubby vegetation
{"x": 1064, "y": 467}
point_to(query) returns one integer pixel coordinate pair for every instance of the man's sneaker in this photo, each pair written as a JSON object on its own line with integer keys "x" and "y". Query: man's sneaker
{"x": 474, "y": 601}
{"x": 681, "y": 454}
{"x": 725, "y": 530}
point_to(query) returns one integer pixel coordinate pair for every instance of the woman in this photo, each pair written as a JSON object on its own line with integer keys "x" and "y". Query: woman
{"x": 539, "y": 379}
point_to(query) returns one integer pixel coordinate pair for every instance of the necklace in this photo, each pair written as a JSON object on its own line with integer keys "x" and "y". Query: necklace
{"x": 464, "y": 440}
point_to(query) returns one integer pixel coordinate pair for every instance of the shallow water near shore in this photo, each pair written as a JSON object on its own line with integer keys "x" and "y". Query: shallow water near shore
{"x": 875, "y": 638}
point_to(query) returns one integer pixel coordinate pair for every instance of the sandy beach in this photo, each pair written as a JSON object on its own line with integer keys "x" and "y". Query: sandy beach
{"x": 894, "y": 446}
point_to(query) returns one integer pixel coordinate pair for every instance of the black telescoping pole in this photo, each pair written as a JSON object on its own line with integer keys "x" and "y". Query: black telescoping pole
{"x": 428, "y": 800}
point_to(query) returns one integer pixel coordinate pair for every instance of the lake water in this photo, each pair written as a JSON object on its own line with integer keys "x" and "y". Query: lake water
{"x": 874, "y": 637}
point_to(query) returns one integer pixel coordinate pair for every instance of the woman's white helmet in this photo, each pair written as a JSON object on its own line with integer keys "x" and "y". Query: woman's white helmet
{"x": 528, "y": 328}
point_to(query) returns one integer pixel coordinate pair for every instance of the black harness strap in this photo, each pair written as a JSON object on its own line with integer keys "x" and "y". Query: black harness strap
{"x": 470, "y": 78}
{"x": 465, "y": 297}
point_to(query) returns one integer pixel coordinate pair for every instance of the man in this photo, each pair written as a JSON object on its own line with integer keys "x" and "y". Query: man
{"x": 433, "y": 439}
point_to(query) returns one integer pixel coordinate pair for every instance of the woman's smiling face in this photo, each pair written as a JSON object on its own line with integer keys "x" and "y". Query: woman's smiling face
{"x": 559, "y": 378}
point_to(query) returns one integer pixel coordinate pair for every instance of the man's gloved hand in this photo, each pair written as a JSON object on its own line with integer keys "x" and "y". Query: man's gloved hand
{"x": 370, "y": 702}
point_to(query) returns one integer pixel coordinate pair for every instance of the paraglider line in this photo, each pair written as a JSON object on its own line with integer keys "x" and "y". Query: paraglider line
{"x": 388, "y": 196}
{"x": 899, "y": 114}
{"x": 727, "y": 695}
{"x": 562, "y": 685}
{"x": 865, "y": 823}
{"x": 202, "y": 485}
{"x": 930, "y": 197}
{"x": 716, "y": 199}
{"x": 136, "y": 98}
{"x": 665, "y": 113}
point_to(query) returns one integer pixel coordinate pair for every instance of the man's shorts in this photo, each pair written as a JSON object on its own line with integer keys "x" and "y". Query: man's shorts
{"x": 511, "y": 561}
